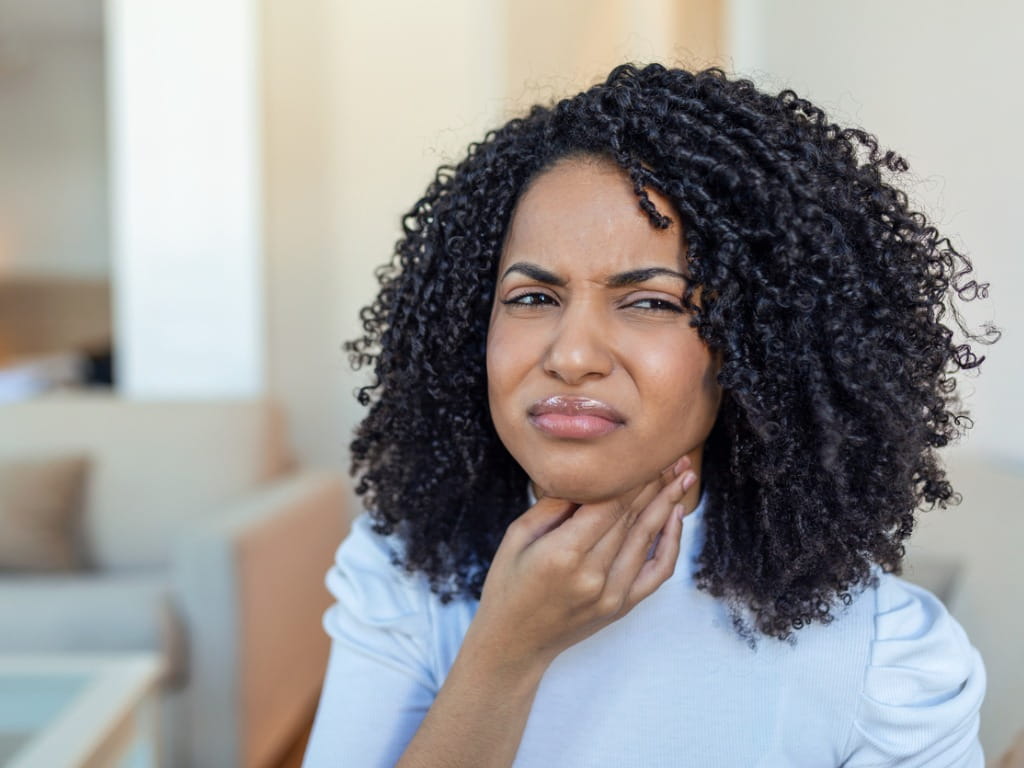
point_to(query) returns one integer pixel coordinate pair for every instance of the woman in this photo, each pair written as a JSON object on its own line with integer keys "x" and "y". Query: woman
{"x": 660, "y": 378}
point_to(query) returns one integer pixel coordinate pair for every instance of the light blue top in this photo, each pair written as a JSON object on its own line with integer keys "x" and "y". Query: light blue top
{"x": 893, "y": 681}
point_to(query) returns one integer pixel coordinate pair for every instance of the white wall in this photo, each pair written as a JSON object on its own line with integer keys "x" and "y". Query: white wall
{"x": 53, "y": 163}
{"x": 185, "y": 147}
{"x": 939, "y": 84}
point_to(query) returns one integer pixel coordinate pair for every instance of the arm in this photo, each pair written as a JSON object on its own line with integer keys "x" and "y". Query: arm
{"x": 375, "y": 697}
{"x": 923, "y": 686}
{"x": 479, "y": 716}
{"x": 369, "y": 709}
{"x": 561, "y": 573}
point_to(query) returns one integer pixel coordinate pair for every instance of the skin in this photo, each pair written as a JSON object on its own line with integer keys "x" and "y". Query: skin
{"x": 621, "y": 345}
{"x": 577, "y": 559}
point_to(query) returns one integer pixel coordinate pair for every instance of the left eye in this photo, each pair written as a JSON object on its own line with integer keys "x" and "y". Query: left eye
{"x": 656, "y": 305}
{"x": 530, "y": 300}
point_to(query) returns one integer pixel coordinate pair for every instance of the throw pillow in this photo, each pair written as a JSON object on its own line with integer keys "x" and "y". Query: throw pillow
{"x": 41, "y": 503}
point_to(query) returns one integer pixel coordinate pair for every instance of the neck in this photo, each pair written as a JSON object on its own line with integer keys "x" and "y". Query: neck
{"x": 690, "y": 499}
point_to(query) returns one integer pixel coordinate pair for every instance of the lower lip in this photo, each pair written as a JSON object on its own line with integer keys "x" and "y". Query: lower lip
{"x": 577, "y": 427}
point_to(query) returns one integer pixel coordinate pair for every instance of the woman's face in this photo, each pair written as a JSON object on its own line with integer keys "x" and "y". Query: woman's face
{"x": 588, "y": 305}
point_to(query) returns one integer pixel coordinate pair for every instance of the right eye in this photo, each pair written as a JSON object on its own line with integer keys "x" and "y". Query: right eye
{"x": 529, "y": 300}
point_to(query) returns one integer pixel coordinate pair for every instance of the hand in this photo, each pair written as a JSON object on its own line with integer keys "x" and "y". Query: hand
{"x": 564, "y": 571}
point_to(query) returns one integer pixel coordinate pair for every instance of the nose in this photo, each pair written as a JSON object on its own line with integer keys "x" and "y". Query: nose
{"x": 579, "y": 347}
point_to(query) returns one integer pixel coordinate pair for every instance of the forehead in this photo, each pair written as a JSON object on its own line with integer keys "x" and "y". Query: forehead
{"x": 583, "y": 215}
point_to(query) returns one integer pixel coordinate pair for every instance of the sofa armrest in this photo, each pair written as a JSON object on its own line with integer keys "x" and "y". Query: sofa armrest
{"x": 250, "y": 585}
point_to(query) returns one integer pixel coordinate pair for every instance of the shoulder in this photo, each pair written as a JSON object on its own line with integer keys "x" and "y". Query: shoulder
{"x": 370, "y": 586}
{"x": 386, "y": 613}
{"x": 365, "y": 548}
{"x": 922, "y": 686}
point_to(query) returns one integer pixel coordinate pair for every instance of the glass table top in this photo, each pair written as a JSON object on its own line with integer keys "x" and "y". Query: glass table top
{"x": 57, "y": 706}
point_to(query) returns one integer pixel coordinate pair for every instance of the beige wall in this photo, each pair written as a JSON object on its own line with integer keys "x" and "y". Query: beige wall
{"x": 302, "y": 262}
{"x": 358, "y": 112}
{"x": 555, "y": 49}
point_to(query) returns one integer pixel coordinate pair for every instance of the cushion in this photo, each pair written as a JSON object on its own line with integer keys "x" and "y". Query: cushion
{"x": 40, "y": 513}
{"x": 158, "y": 466}
{"x": 92, "y": 612}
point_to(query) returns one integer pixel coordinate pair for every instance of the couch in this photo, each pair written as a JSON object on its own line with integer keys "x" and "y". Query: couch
{"x": 202, "y": 541}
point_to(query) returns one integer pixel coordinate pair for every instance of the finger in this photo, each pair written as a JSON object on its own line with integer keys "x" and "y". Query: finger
{"x": 656, "y": 571}
{"x": 547, "y": 514}
{"x": 624, "y": 572}
{"x": 679, "y": 468}
{"x": 582, "y": 531}
{"x": 674, "y": 470}
{"x": 641, "y": 496}
{"x": 607, "y": 548}
{"x": 605, "y": 522}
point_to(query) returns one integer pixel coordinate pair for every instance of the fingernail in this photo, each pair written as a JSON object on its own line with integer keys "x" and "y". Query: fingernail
{"x": 679, "y": 511}
{"x": 688, "y": 480}
{"x": 678, "y": 467}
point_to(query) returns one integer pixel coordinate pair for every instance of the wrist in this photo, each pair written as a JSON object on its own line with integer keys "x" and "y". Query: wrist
{"x": 491, "y": 658}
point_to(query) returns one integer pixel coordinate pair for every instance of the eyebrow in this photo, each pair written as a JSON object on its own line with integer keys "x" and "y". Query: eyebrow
{"x": 632, "y": 277}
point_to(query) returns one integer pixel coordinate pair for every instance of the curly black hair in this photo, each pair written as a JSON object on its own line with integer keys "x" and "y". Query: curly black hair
{"x": 823, "y": 290}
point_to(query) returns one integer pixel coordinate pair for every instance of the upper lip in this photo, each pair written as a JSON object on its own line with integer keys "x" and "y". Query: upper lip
{"x": 576, "y": 406}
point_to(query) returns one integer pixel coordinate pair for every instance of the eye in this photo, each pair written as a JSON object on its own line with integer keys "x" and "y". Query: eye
{"x": 657, "y": 305}
{"x": 529, "y": 300}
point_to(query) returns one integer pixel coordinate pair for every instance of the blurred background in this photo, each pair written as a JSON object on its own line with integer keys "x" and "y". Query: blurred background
{"x": 193, "y": 197}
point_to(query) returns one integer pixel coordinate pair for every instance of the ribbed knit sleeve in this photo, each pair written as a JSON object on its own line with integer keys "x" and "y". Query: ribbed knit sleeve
{"x": 922, "y": 689}
{"x": 380, "y": 678}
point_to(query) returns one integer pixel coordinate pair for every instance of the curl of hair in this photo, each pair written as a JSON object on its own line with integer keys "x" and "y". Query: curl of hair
{"x": 823, "y": 290}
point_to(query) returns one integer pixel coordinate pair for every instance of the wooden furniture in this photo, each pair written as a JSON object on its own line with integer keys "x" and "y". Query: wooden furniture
{"x": 79, "y": 711}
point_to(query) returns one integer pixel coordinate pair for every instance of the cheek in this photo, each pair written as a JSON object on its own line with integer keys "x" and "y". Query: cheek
{"x": 495, "y": 357}
{"x": 504, "y": 360}
{"x": 682, "y": 389}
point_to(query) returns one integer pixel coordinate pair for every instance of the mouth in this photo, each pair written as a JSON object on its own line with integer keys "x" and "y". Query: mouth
{"x": 575, "y": 417}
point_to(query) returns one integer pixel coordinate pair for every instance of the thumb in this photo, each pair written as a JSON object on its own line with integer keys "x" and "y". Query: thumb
{"x": 546, "y": 515}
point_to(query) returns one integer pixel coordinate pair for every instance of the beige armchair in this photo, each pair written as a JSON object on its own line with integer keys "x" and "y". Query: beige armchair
{"x": 207, "y": 544}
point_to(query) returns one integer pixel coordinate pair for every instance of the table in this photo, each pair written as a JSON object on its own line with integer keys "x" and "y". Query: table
{"x": 79, "y": 710}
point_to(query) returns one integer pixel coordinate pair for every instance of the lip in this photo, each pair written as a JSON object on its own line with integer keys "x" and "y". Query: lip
{"x": 575, "y": 417}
